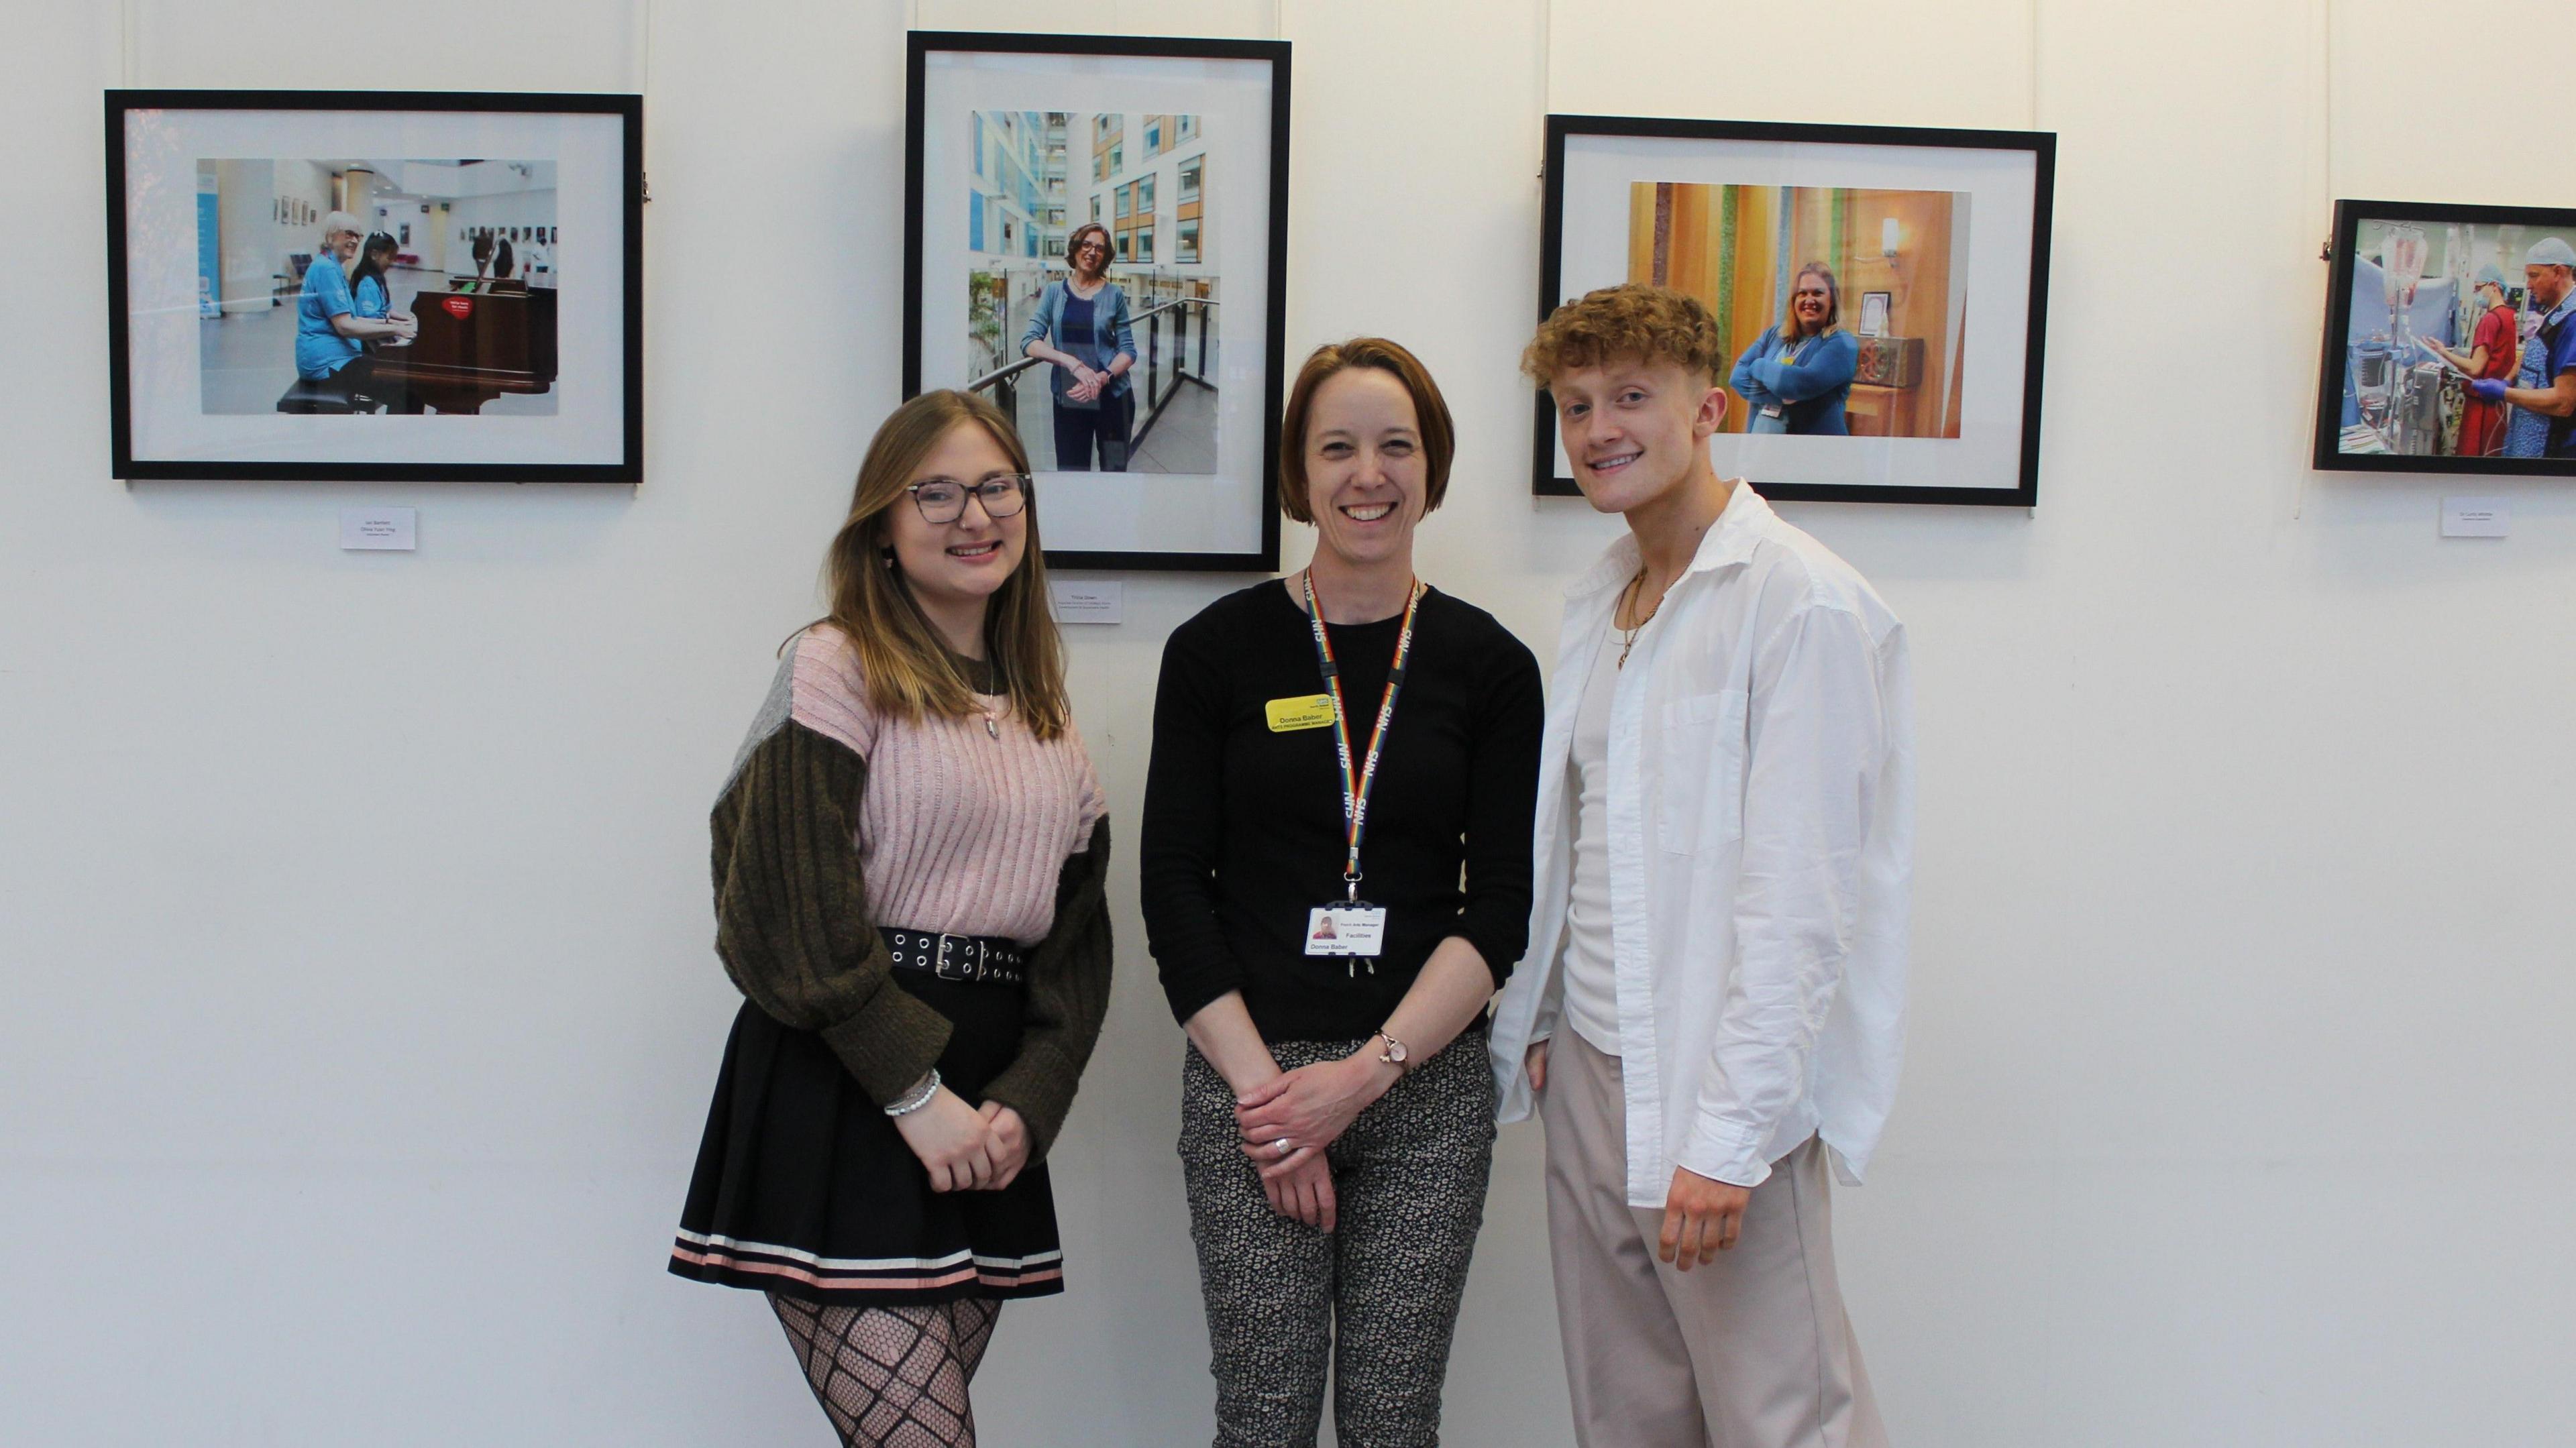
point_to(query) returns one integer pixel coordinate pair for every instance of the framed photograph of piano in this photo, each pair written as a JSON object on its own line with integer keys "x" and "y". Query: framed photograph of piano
{"x": 1880, "y": 293}
{"x": 395, "y": 286}
{"x": 1096, "y": 240}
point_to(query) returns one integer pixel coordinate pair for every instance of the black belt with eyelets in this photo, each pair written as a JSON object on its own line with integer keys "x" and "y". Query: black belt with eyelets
{"x": 974, "y": 959}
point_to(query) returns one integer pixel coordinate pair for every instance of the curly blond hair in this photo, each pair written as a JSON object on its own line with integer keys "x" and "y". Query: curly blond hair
{"x": 1653, "y": 324}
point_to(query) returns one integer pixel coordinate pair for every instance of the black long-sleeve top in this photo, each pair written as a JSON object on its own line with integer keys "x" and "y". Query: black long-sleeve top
{"x": 1243, "y": 824}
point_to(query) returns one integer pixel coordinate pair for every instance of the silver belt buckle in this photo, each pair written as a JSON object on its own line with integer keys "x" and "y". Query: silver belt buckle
{"x": 964, "y": 971}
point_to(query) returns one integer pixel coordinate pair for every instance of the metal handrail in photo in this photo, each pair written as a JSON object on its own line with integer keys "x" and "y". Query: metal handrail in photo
{"x": 1160, "y": 384}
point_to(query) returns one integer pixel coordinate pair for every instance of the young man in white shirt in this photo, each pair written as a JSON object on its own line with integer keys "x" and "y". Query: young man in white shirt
{"x": 1713, "y": 1009}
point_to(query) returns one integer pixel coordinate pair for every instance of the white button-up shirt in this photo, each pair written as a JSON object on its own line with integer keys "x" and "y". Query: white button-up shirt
{"x": 1761, "y": 831}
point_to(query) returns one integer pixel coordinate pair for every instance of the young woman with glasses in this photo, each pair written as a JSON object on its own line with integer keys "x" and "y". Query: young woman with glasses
{"x": 1084, "y": 327}
{"x": 908, "y": 867}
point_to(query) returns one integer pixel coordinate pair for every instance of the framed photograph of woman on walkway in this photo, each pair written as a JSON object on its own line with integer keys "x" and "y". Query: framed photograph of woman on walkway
{"x": 1095, "y": 240}
{"x": 371, "y": 285}
{"x": 1882, "y": 292}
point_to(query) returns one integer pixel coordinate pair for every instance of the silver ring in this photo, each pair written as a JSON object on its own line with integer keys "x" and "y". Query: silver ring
{"x": 1285, "y": 1150}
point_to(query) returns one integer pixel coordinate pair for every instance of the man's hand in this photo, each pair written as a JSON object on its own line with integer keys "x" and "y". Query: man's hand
{"x": 2488, "y": 389}
{"x": 1537, "y": 1060}
{"x": 1701, "y": 1219}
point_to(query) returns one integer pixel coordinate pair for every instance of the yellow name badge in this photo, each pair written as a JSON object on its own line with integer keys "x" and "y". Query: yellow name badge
{"x": 1313, "y": 711}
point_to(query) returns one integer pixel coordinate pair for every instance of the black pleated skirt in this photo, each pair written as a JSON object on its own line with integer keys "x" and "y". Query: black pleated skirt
{"x": 804, "y": 1187}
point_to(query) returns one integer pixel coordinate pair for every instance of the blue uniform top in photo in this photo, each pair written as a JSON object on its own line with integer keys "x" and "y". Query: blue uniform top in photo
{"x": 1797, "y": 388}
{"x": 2558, "y": 330}
{"x": 320, "y": 351}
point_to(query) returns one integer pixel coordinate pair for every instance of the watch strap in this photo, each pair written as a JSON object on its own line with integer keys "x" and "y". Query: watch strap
{"x": 1396, "y": 1054}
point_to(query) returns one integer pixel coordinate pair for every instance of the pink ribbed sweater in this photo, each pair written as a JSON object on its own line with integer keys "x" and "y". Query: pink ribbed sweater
{"x": 959, "y": 831}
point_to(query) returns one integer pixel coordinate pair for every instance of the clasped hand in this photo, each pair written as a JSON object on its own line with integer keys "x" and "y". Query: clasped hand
{"x": 1308, "y": 1109}
{"x": 966, "y": 1148}
{"x": 1087, "y": 385}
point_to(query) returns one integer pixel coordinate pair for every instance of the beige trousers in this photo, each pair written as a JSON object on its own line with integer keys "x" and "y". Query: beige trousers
{"x": 1750, "y": 1351}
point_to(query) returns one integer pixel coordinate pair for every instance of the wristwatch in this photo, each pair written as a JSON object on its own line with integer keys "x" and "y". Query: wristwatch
{"x": 1395, "y": 1055}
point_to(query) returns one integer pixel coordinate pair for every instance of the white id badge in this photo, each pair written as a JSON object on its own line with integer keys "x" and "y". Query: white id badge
{"x": 1771, "y": 410}
{"x": 1351, "y": 928}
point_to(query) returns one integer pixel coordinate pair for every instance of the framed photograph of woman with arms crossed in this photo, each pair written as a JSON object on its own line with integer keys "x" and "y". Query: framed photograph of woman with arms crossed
{"x": 1883, "y": 292}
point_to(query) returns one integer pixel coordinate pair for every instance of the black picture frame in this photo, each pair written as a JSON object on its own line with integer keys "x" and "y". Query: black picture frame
{"x": 1272, "y": 295}
{"x": 626, "y": 467}
{"x": 2042, "y": 148}
{"x": 2335, "y": 351}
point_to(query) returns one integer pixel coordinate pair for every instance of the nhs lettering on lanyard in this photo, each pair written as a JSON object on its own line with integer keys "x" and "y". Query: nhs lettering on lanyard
{"x": 1351, "y": 926}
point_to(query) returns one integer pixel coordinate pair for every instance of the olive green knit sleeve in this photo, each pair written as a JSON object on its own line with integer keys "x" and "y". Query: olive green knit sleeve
{"x": 792, "y": 921}
{"x": 1068, "y": 998}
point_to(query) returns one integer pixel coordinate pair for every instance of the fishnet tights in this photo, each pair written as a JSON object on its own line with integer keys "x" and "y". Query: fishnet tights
{"x": 892, "y": 1377}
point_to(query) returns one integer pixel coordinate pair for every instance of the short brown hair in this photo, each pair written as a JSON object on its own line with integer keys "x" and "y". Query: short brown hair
{"x": 1652, "y": 324}
{"x": 1073, "y": 247}
{"x": 1430, "y": 414}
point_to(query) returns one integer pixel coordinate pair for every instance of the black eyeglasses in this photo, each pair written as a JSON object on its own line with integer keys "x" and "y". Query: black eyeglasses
{"x": 943, "y": 500}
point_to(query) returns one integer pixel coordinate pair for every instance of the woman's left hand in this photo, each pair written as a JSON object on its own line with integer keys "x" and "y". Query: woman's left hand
{"x": 1008, "y": 1144}
{"x": 1308, "y": 1108}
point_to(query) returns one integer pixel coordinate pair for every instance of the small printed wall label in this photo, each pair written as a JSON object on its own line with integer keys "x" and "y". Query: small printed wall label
{"x": 379, "y": 528}
{"x": 1088, "y": 600}
{"x": 2475, "y": 517}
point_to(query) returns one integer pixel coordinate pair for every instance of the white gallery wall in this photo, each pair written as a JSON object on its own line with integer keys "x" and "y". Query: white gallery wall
{"x": 357, "y": 1006}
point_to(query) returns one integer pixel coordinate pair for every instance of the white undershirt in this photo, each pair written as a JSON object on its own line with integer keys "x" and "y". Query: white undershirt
{"x": 1591, "y": 984}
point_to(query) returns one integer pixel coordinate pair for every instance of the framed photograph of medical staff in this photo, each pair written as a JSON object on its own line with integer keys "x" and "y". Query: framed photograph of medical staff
{"x": 2450, "y": 341}
{"x": 1096, "y": 241}
{"x": 350, "y": 285}
{"x": 1882, "y": 292}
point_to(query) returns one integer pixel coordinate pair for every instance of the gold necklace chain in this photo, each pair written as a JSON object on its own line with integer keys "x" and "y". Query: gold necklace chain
{"x": 1628, "y": 636}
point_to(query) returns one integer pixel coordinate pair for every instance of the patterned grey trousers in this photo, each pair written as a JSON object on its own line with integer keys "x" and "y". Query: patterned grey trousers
{"x": 1380, "y": 1294}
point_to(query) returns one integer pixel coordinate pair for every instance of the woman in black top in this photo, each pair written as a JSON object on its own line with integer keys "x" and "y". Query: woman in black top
{"x": 1335, "y": 1145}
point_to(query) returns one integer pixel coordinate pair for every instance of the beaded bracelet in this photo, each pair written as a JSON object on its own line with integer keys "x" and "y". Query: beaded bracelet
{"x": 918, "y": 1097}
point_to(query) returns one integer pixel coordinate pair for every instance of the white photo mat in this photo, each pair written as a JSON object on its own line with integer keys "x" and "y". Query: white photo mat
{"x": 1124, "y": 512}
{"x": 2003, "y": 184}
{"x": 163, "y": 148}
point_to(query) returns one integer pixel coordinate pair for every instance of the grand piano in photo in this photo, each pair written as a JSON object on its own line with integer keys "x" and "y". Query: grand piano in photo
{"x": 479, "y": 340}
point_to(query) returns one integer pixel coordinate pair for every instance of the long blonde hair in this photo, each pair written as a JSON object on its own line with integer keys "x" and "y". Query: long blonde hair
{"x": 909, "y": 672}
